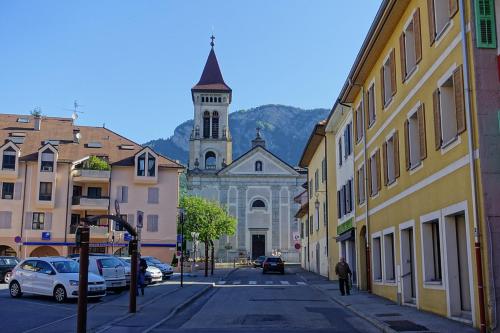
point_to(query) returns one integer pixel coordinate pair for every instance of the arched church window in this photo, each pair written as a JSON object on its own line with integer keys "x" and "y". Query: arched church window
{"x": 258, "y": 166}
{"x": 215, "y": 125}
{"x": 211, "y": 99}
{"x": 206, "y": 124}
{"x": 202, "y": 99}
{"x": 219, "y": 99}
{"x": 210, "y": 160}
{"x": 258, "y": 204}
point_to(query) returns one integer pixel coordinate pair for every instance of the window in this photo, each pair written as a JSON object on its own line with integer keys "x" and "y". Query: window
{"x": 75, "y": 222}
{"x": 410, "y": 45}
{"x": 215, "y": 125}
{"x": 141, "y": 165}
{"x": 391, "y": 159}
{"x": 153, "y": 195}
{"x": 206, "y": 124}
{"x": 374, "y": 174}
{"x": 325, "y": 214}
{"x": 258, "y": 204}
{"x": 210, "y": 160}
{"x": 388, "y": 79}
{"x": 151, "y": 165}
{"x": 307, "y": 226}
{"x": 360, "y": 176}
{"x": 302, "y": 230}
{"x": 258, "y": 166}
{"x": 5, "y": 220}
{"x": 47, "y": 161}
{"x": 432, "y": 251}
{"x": 347, "y": 140}
{"x": 38, "y": 221}
{"x": 118, "y": 225}
{"x": 416, "y": 149}
{"x": 377, "y": 259}
{"x": 370, "y": 101}
{"x": 440, "y": 13}
{"x": 311, "y": 225}
{"x": 152, "y": 223}
{"x": 9, "y": 159}
{"x": 340, "y": 152}
{"x": 389, "y": 267}
{"x": 316, "y": 181}
{"x": 8, "y": 191}
{"x": 122, "y": 194}
{"x": 449, "y": 109}
{"x": 348, "y": 196}
{"x": 94, "y": 192}
{"x": 316, "y": 217}
{"x": 323, "y": 170}
{"x": 43, "y": 267}
{"x": 45, "y": 193}
{"x": 484, "y": 11}
{"x": 310, "y": 188}
{"x": 359, "y": 124}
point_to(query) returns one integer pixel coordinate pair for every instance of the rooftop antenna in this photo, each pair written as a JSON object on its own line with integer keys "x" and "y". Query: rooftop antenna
{"x": 75, "y": 110}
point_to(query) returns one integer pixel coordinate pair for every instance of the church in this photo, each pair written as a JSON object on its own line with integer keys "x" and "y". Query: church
{"x": 258, "y": 188}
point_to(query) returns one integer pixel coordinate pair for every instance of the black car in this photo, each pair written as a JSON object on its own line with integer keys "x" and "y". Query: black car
{"x": 273, "y": 264}
{"x": 258, "y": 262}
{"x": 6, "y": 266}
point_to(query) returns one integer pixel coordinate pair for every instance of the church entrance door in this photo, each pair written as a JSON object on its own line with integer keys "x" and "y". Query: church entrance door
{"x": 258, "y": 246}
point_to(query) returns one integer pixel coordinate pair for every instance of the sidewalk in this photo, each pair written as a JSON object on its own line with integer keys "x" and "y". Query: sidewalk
{"x": 383, "y": 313}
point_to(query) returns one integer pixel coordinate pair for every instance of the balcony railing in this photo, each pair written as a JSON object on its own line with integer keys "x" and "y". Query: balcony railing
{"x": 90, "y": 202}
{"x": 91, "y": 175}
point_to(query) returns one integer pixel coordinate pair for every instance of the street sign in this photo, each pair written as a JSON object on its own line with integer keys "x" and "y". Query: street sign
{"x": 127, "y": 237}
{"x": 82, "y": 235}
{"x": 179, "y": 253}
{"x": 297, "y": 246}
{"x": 140, "y": 216}
{"x": 18, "y": 239}
{"x": 296, "y": 236}
{"x": 179, "y": 238}
{"x": 45, "y": 235}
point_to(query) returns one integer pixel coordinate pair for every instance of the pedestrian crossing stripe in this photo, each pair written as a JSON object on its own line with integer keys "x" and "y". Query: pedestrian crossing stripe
{"x": 236, "y": 282}
{"x": 285, "y": 282}
{"x": 269, "y": 282}
{"x": 252, "y": 282}
{"x": 222, "y": 282}
{"x": 300, "y": 283}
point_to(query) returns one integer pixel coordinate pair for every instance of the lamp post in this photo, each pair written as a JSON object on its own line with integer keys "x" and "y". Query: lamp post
{"x": 181, "y": 222}
{"x": 194, "y": 236}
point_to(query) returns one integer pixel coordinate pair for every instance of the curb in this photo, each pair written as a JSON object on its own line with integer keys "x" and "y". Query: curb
{"x": 382, "y": 327}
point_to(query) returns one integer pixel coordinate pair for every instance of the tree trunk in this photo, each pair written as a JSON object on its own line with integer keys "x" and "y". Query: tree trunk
{"x": 206, "y": 257}
{"x": 213, "y": 260}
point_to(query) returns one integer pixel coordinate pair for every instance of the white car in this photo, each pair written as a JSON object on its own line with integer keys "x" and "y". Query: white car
{"x": 110, "y": 268}
{"x": 153, "y": 274}
{"x": 52, "y": 276}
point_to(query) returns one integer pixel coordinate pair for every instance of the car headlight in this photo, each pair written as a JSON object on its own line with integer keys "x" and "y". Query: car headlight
{"x": 73, "y": 282}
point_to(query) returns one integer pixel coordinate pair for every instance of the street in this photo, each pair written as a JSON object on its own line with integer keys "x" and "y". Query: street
{"x": 246, "y": 301}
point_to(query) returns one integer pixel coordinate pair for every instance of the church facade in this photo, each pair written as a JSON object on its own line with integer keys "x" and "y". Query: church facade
{"x": 257, "y": 188}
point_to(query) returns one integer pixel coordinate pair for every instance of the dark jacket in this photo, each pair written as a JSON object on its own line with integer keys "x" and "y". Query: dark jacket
{"x": 342, "y": 270}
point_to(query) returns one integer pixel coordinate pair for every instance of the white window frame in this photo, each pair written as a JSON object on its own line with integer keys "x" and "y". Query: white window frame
{"x": 450, "y": 110}
{"x": 374, "y": 175}
{"x": 410, "y": 45}
{"x": 387, "y": 78}
{"x": 377, "y": 235}
{"x": 385, "y": 233}
{"x": 429, "y": 218}
{"x": 361, "y": 188}
{"x": 372, "y": 110}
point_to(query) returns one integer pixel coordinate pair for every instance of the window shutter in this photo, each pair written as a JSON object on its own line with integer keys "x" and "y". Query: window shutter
{"x": 485, "y": 24}
{"x": 395, "y": 140}
{"x": 407, "y": 144}
{"x": 421, "y": 131}
{"x": 384, "y": 157}
{"x": 119, "y": 194}
{"x": 458, "y": 86}
{"x": 356, "y": 135}
{"x": 382, "y": 86}
{"x": 130, "y": 219}
{"x": 124, "y": 194}
{"x": 453, "y": 6}
{"x": 339, "y": 212}
{"x": 1, "y": 188}
{"x": 369, "y": 175}
{"x": 394, "y": 86}
{"x": 47, "y": 223}
{"x": 28, "y": 218}
{"x": 432, "y": 22}
{"x": 351, "y": 196}
{"x": 357, "y": 184}
{"x": 377, "y": 160}
{"x": 402, "y": 56}
{"x": 17, "y": 190}
{"x": 437, "y": 119}
{"x": 418, "y": 36}
{"x": 153, "y": 195}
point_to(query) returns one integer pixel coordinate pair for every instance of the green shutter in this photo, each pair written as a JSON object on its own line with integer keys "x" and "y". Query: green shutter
{"x": 485, "y": 24}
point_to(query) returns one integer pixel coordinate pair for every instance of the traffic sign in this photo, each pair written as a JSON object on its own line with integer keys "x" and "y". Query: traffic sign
{"x": 297, "y": 246}
{"x": 296, "y": 236}
{"x": 45, "y": 235}
{"x": 18, "y": 239}
{"x": 140, "y": 216}
{"x": 179, "y": 238}
{"x": 127, "y": 237}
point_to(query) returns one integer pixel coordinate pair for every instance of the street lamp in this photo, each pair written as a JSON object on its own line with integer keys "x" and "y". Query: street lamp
{"x": 194, "y": 236}
{"x": 181, "y": 222}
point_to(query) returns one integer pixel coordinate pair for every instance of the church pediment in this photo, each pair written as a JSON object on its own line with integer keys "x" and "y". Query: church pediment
{"x": 259, "y": 161}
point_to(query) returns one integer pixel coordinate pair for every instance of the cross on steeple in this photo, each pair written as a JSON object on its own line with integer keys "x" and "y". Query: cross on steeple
{"x": 212, "y": 42}
{"x": 258, "y": 131}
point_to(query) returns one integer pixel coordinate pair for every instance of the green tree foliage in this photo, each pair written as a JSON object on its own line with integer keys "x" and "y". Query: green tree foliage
{"x": 96, "y": 163}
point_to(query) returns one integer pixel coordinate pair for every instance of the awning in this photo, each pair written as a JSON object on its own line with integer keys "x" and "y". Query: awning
{"x": 348, "y": 235}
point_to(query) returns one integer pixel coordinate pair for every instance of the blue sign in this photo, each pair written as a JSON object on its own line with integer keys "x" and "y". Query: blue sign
{"x": 179, "y": 238}
{"x": 127, "y": 237}
{"x": 45, "y": 235}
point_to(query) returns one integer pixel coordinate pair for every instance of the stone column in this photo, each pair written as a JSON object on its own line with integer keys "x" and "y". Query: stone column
{"x": 223, "y": 189}
{"x": 242, "y": 217}
{"x": 275, "y": 216}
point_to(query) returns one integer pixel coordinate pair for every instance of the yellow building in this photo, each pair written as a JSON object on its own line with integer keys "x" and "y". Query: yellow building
{"x": 419, "y": 212}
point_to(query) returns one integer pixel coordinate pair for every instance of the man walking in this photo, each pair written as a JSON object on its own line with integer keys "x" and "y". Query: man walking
{"x": 343, "y": 272}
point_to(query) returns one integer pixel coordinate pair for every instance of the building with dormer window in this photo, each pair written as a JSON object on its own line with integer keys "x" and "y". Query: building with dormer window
{"x": 53, "y": 173}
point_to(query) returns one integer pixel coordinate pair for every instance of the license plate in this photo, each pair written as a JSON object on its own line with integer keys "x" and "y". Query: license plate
{"x": 93, "y": 289}
{"x": 273, "y": 264}
{"x": 115, "y": 284}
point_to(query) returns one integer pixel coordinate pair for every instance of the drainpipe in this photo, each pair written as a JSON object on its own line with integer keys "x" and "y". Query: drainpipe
{"x": 67, "y": 206}
{"x": 326, "y": 198}
{"x": 472, "y": 169}
{"x": 24, "y": 205}
{"x": 308, "y": 226}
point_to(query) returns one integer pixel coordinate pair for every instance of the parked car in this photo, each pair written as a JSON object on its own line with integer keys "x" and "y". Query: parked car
{"x": 6, "y": 266}
{"x": 273, "y": 264}
{"x": 166, "y": 270}
{"x": 258, "y": 262}
{"x": 52, "y": 276}
{"x": 153, "y": 274}
{"x": 110, "y": 268}
{"x": 128, "y": 270}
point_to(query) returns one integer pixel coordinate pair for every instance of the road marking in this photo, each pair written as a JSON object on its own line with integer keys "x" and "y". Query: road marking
{"x": 221, "y": 282}
{"x": 269, "y": 282}
{"x": 252, "y": 282}
{"x": 285, "y": 282}
{"x": 300, "y": 283}
{"x": 236, "y": 282}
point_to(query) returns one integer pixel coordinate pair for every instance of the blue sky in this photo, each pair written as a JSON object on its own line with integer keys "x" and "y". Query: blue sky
{"x": 131, "y": 64}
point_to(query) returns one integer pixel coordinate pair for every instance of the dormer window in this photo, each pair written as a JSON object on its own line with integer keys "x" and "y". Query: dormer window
{"x": 146, "y": 159}
{"x": 141, "y": 165}
{"x": 9, "y": 159}
{"x": 258, "y": 166}
{"x": 47, "y": 162}
{"x": 151, "y": 165}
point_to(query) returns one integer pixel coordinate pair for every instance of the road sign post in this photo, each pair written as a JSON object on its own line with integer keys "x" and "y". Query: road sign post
{"x": 82, "y": 238}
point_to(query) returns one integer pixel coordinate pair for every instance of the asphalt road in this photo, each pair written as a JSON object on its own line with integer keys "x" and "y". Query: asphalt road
{"x": 252, "y": 302}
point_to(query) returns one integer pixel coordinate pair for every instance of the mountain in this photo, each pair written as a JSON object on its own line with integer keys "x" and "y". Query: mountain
{"x": 285, "y": 129}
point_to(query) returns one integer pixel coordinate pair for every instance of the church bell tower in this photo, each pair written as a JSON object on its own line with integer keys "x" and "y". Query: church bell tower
{"x": 210, "y": 145}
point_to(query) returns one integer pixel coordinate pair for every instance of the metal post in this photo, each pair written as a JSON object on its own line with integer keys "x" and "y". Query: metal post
{"x": 182, "y": 250}
{"x": 83, "y": 279}
{"x": 133, "y": 276}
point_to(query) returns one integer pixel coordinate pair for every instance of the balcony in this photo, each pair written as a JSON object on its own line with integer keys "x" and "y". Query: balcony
{"x": 94, "y": 176}
{"x": 88, "y": 203}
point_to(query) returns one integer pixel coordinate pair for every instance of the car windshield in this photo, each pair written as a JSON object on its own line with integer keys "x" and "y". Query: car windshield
{"x": 262, "y": 258}
{"x": 127, "y": 260}
{"x": 9, "y": 261}
{"x": 110, "y": 263}
{"x": 153, "y": 260}
{"x": 67, "y": 266}
{"x": 273, "y": 259}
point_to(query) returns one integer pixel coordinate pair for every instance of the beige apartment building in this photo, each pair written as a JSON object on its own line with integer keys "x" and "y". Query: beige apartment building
{"x": 54, "y": 172}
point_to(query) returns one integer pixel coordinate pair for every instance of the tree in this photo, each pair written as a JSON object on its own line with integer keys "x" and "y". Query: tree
{"x": 207, "y": 218}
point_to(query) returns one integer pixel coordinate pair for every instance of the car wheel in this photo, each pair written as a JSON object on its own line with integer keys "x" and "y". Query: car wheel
{"x": 60, "y": 294}
{"x": 167, "y": 278}
{"x": 15, "y": 289}
{"x": 7, "y": 276}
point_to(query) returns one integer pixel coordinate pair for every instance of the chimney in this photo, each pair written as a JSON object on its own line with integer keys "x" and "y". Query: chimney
{"x": 38, "y": 122}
